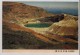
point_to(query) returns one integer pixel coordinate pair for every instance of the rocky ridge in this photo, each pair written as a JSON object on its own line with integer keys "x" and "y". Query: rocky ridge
{"x": 68, "y": 27}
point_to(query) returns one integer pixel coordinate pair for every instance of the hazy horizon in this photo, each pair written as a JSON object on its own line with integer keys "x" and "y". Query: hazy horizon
{"x": 48, "y": 5}
{"x": 57, "y": 7}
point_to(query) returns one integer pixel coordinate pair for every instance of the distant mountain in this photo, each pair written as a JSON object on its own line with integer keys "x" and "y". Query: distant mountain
{"x": 65, "y": 11}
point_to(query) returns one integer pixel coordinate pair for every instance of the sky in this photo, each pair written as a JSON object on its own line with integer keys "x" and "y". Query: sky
{"x": 71, "y": 5}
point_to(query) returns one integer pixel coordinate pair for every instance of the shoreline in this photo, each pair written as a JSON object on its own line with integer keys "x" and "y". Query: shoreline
{"x": 38, "y": 30}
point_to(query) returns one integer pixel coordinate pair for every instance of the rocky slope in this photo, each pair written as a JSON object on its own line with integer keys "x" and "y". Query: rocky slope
{"x": 15, "y": 11}
{"x": 17, "y": 37}
{"x": 67, "y": 28}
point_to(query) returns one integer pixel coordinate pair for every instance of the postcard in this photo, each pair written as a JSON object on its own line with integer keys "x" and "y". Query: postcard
{"x": 30, "y": 26}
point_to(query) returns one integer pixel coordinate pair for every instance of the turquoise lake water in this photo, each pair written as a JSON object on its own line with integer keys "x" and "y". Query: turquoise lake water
{"x": 38, "y": 25}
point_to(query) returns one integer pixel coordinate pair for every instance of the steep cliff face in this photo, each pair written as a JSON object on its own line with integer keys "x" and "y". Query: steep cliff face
{"x": 55, "y": 18}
